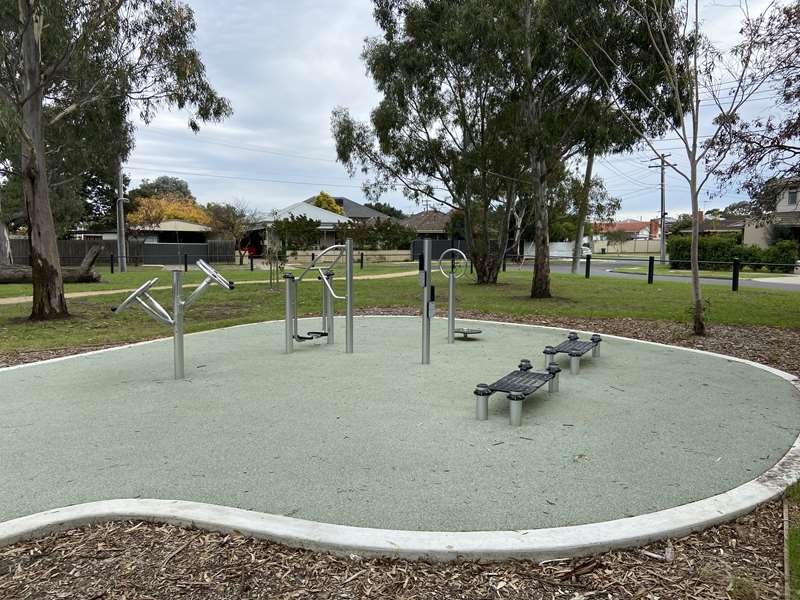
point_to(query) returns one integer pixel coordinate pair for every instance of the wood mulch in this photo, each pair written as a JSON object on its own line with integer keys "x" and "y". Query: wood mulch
{"x": 739, "y": 561}
{"x": 742, "y": 560}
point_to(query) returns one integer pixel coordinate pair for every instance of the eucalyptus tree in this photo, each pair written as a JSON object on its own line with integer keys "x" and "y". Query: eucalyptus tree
{"x": 446, "y": 127}
{"x": 60, "y": 57}
{"x": 701, "y": 85}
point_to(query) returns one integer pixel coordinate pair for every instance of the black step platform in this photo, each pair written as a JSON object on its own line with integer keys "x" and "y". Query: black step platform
{"x": 525, "y": 382}
{"x": 311, "y": 335}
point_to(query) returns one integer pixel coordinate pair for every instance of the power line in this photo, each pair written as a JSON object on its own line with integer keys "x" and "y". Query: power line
{"x": 241, "y": 178}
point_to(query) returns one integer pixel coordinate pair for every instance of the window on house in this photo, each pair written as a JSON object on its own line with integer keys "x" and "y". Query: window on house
{"x": 792, "y": 197}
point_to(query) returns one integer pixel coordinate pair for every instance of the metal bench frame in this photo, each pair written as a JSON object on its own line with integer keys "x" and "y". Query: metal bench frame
{"x": 575, "y": 348}
{"x": 518, "y": 385}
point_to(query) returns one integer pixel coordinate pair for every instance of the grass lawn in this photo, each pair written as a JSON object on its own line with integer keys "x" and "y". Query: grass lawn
{"x": 665, "y": 270}
{"x": 92, "y": 322}
{"x": 135, "y": 276}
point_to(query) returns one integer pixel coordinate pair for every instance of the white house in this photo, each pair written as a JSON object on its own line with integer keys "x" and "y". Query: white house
{"x": 328, "y": 221}
{"x": 787, "y": 213}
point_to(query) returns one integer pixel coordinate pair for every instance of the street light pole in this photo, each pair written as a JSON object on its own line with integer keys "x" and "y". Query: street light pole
{"x": 662, "y": 246}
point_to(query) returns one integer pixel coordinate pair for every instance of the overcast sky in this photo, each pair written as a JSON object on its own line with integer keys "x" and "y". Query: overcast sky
{"x": 285, "y": 66}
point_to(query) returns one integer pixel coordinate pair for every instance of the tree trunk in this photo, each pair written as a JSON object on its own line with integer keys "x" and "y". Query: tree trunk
{"x": 583, "y": 210}
{"x": 48, "y": 285}
{"x": 540, "y": 287}
{"x": 698, "y": 308}
{"x": 487, "y": 268}
{"x": 81, "y": 274}
{"x": 5, "y": 246}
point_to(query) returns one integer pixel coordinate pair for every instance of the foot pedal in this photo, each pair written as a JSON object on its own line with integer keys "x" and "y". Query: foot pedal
{"x": 317, "y": 334}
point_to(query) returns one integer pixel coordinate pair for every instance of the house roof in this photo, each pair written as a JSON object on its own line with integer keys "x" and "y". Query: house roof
{"x": 178, "y": 225}
{"x": 429, "y": 221}
{"x": 353, "y": 209}
{"x": 327, "y": 219}
{"x": 629, "y": 225}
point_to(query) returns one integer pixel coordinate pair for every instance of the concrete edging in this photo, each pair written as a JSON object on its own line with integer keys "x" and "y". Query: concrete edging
{"x": 537, "y": 544}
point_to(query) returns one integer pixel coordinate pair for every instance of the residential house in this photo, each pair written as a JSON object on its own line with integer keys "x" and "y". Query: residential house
{"x": 327, "y": 227}
{"x": 170, "y": 231}
{"x": 432, "y": 224}
{"x": 636, "y": 230}
{"x": 787, "y": 214}
{"x": 353, "y": 210}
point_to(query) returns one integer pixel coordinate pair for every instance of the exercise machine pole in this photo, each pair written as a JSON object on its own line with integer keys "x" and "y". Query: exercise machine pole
{"x": 428, "y": 292}
{"x": 290, "y": 286}
{"x": 349, "y": 314}
{"x": 177, "y": 318}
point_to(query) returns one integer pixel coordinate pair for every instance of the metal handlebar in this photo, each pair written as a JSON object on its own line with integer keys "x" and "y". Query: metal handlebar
{"x": 142, "y": 289}
{"x": 324, "y": 279}
{"x": 340, "y": 247}
{"x": 452, "y": 270}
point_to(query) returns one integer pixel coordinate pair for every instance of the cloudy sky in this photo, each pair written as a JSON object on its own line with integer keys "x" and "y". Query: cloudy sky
{"x": 286, "y": 65}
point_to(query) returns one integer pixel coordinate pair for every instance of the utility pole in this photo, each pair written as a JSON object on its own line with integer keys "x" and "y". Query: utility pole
{"x": 121, "y": 247}
{"x": 662, "y": 247}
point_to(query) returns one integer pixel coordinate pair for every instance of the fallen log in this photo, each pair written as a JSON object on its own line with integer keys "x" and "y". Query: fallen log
{"x": 81, "y": 274}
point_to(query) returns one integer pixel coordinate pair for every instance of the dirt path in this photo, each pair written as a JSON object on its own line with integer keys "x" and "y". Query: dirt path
{"x": 69, "y": 295}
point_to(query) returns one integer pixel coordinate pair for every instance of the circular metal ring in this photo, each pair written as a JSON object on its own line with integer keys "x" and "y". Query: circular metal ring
{"x": 453, "y": 251}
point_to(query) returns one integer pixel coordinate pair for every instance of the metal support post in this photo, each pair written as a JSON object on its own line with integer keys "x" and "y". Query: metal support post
{"x": 515, "y": 400}
{"x": 737, "y": 266}
{"x": 588, "y": 265}
{"x": 596, "y": 350}
{"x": 289, "y": 311}
{"x": 185, "y": 262}
{"x": 482, "y": 393}
{"x": 112, "y": 263}
{"x": 574, "y": 363}
{"x": 552, "y": 385}
{"x": 177, "y": 317}
{"x": 650, "y": 269}
{"x": 122, "y": 253}
{"x": 425, "y": 279}
{"x": 451, "y": 308}
{"x": 328, "y": 327}
{"x": 549, "y": 356}
{"x": 349, "y": 281}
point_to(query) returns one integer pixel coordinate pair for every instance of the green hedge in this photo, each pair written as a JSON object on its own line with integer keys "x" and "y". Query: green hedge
{"x": 717, "y": 252}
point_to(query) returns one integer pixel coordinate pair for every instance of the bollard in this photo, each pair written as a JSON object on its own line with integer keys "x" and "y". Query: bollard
{"x": 362, "y": 261}
{"x": 588, "y": 265}
{"x": 112, "y": 264}
{"x": 251, "y": 262}
{"x": 737, "y": 265}
{"x": 185, "y": 263}
{"x": 651, "y": 262}
{"x": 504, "y": 263}
{"x": 482, "y": 393}
{"x": 515, "y": 400}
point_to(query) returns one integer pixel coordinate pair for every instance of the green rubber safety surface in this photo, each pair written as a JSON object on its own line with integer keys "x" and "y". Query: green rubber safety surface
{"x": 375, "y": 439}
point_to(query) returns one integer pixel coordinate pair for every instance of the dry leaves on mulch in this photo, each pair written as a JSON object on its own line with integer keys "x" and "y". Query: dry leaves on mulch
{"x": 740, "y": 561}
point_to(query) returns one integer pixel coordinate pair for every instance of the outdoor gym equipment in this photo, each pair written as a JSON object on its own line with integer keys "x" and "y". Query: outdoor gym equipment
{"x": 518, "y": 385}
{"x": 155, "y": 310}
{"x": 576, "y": 348}
{"x": 328, "y": 298}
{"x": 452, "y": 275}
{"x": 428, "y": 298}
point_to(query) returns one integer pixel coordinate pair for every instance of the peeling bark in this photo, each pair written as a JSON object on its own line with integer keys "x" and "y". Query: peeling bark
{"x": 48, "y": 285}
{"x": 5, "y": 246}
{"x": 540, "y": 286}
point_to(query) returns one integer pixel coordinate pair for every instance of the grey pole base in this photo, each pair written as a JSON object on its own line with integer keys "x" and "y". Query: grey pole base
{"x": 481, "y": 407}
{"x": 574, "y": 364}
{"x": 515, "y": 412}
{"x": 596, "y": 351}
{"x": 552, "y": 385}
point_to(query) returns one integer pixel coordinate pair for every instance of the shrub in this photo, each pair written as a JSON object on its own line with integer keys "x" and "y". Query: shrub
{"x": 717, "y": 253}
{"x": 784, "y": 252}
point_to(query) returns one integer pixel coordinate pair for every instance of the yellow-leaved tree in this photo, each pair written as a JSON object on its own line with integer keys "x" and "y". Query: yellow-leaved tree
{"x": 152, "y": 211}
{"x": 328, "y": 202}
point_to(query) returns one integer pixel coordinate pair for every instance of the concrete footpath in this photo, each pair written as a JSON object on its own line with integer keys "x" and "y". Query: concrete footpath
{"x": 375, "y": 439}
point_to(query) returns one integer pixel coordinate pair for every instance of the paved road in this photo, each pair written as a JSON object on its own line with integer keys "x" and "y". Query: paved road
{"x": 604, "y": 268}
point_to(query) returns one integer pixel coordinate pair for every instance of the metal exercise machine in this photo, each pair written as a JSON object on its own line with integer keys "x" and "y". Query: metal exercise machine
{"x": 155, "y": 310}
{"x": 428, "y": 298}
{"x": 518, "y": 385}
{"x": 575, "y": 348}
{"x": 328, "y": 298}
{"x": 452, "y": 275}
